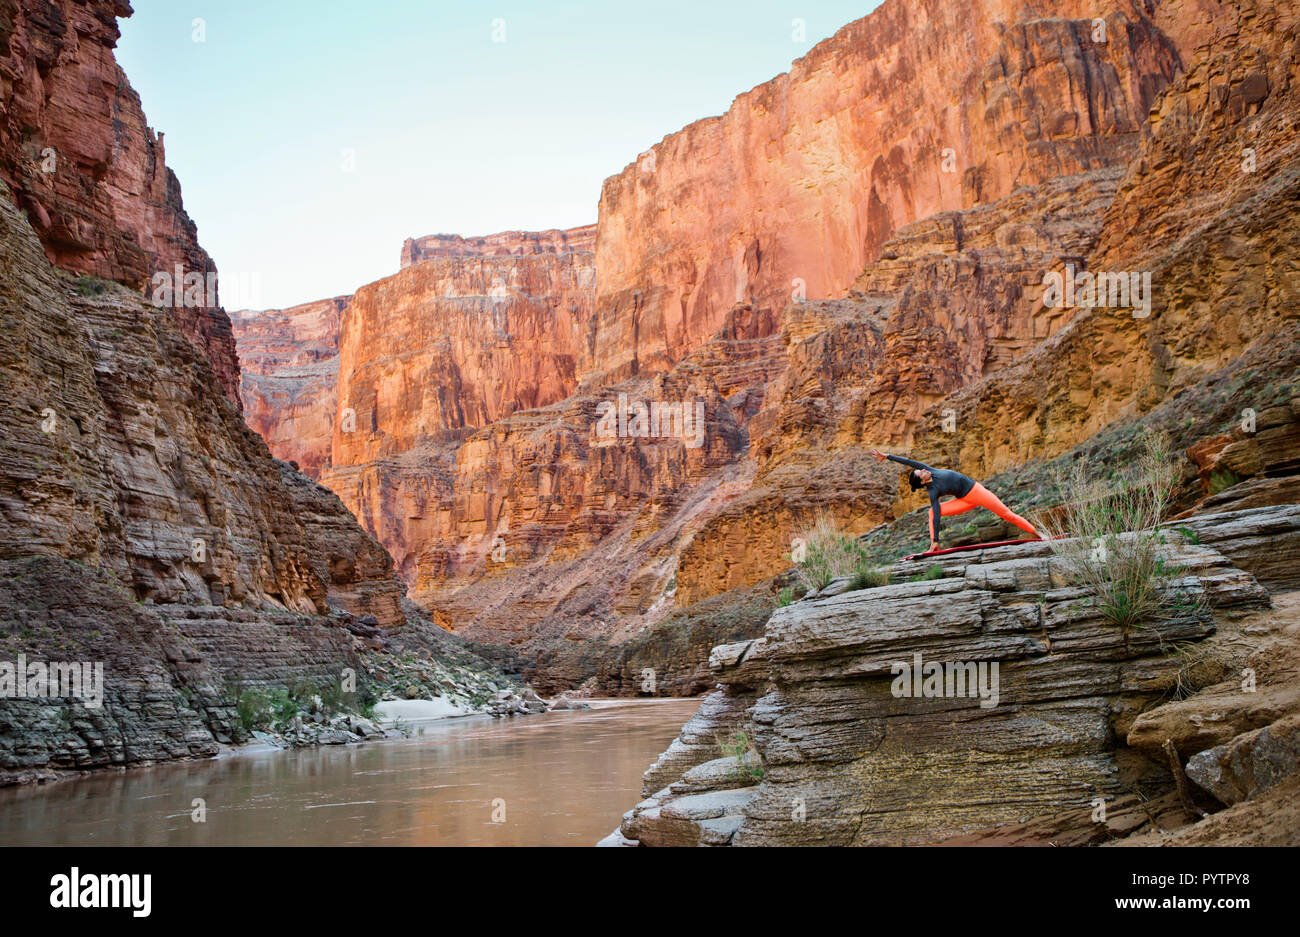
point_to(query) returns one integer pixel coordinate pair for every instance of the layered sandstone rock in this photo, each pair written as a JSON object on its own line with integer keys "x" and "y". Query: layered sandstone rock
{"x": 518, "y": 243}
{"x": 1207, "y": 209}
{"x": 952, "y": 298}
{"x": 948, "y": 346}
{"x": 541, "y": 514}
{"x": 797, "y": 187}
{"x": 91, "y": 175}
{"x": 288, "y": 362}
{"x": 846, "y": 758}
{"x": 453, "y": 343}
{"x": 145, "y": 527}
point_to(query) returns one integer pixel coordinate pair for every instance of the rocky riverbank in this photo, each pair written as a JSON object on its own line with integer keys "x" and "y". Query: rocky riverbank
{"x": 808, "y": 740}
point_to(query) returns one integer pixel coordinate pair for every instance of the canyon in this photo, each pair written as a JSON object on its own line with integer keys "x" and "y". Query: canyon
{"x": 844, "y": 259}
{"x": 419, "y": 482}
{"x": 143, "y": 525}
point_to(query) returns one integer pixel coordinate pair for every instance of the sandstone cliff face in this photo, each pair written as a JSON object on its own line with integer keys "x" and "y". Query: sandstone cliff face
{"x": 574, "y": 240}
{"x": 952, "y": 298}
{"x": 541, "y": 514}
{"x": 1207, "y": 208}
{"x": 797, "y": 187}
{"x": 948, "y": 347}
{"x": 81, "y": 161}
{"x": 144, "y": 526}
{"x": 288, "y": 361}
{"x": 844, "y": 758}
{"x": 453, "y": 343}
{"x": 122, "y": 457}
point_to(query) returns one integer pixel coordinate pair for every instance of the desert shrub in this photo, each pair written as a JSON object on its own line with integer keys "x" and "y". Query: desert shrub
{"x": 931, "y": 574}
{"x": 868, "y": 576}
{"x": 252, "y": 710}
{"x": 1109, "y": 538}
{"x": 1223, "y": 479}
{"x": 827, "y": 553}
{"x": 749, "y": 766}
{"x": 91, "y": 286}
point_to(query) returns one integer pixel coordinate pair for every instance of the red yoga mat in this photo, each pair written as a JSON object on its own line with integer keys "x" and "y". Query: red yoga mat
{"x": 973, "y": 546}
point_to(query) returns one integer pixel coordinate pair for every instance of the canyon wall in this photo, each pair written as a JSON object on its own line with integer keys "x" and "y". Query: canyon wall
{"x": 918, "y": 108}
{"x": 947, "y": 346}
{"x": 485, "y": 328}
{"x": 1208, "y": 209}
{"x": 90, "y": 174}
{"x": 475, "y": 459}
{"x": 580, "y": 240}
{"x": 288, "y": 372}
{"x": 143, "y": 526}
{"x": 453, "y": 343}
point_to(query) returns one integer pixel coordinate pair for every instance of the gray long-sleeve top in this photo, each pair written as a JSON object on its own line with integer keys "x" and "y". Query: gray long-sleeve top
{"x": 943, "y": 482}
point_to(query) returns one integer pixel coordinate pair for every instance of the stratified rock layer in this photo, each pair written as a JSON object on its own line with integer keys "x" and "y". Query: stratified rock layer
{"x": 81, "y": 161}
{"x": 288, "y": 360}
{"x": 851, "y": 755}
{"x": 919, "y": 108}
{"x": 145, "y": 527}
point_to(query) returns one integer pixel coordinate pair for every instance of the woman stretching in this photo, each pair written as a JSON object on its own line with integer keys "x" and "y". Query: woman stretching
{"x": 967, "y": 494}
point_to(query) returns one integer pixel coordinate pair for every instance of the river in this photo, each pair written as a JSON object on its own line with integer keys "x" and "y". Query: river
{"x": 554, "y": 779}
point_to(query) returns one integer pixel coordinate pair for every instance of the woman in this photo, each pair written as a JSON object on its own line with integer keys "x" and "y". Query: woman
{"x": 967, "y": 493}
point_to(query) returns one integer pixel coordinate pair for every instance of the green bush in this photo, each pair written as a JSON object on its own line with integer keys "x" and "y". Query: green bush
{"x": 1223, "y": 479}
{"x": 868, "y": 576}
{"x": 934, "y": 572}
{"x": 1110, "y": 539}
{"x": 828, "y": 553}
{"x": 252, "y": 710}
{"x": 749, "y": 766}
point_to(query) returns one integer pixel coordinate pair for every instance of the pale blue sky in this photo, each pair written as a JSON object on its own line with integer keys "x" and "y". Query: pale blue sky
{"x": 452, "y": 132}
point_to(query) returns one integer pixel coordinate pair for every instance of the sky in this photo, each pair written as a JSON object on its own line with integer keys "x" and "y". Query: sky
{"x": 311, "y": 137}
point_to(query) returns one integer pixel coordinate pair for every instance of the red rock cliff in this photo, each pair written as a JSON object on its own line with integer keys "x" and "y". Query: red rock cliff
{"x": 82, "y": 162}
{"x": 920, "y": 107}
{"x": 415, "y": 250}
{"x": 457, "y": 341}
{"x": 288, "y": 361}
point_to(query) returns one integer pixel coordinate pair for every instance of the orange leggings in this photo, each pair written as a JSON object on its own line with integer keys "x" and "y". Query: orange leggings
{"x": 980, "y": 497}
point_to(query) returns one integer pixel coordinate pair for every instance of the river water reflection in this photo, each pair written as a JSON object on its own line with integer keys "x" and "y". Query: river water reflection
{"x": 561, "y": 778}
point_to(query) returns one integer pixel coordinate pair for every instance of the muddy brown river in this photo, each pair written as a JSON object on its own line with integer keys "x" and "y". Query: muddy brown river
{"x": 556, "y": 779}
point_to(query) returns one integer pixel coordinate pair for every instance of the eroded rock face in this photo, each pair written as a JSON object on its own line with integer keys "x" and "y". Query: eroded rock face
{"x": 288, "y": 361}
{"x": 145, "y": 527}
{"x": 947, "y": 345}
{"x": 518, "y": 243}
{"x": 455, "y": 342}
{"x": 797, "y": 187}
{"x": 82, "y": 163}
{"x": 848, "y": 757}
{"x": 953, "y": 297}
{"x": 1207, "y": 208}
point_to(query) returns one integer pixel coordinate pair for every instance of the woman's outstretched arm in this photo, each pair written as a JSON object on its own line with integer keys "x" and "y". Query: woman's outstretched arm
{"x": 880, "y": 456}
